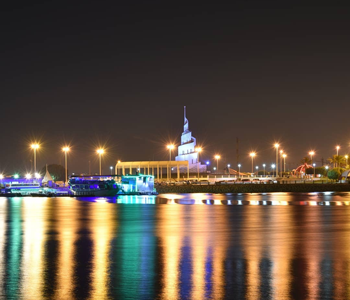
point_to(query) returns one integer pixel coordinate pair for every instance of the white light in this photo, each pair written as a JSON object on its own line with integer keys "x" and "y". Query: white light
{"x": 264, "y": 165}
{"x": 1, "y": 176}
{"x": 111, "y": 168}
{"x": 37, "y": 175}
{"x": 28, "y": 176}
{"x": 239, "y": 165}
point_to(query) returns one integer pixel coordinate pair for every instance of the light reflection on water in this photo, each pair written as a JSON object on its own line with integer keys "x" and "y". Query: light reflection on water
{"x": 201, "y": 246}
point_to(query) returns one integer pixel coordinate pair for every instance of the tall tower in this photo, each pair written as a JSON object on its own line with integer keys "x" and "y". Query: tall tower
{"x": 186, "y": 151}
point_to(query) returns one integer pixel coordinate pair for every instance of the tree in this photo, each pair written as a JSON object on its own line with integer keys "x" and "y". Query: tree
{"x": 318, "y": 170}
{"x": 337, "y": 160}
{"x": 57, "y": 172}
{"x": 334, "y": 174}
{"x": 306, "y": 160}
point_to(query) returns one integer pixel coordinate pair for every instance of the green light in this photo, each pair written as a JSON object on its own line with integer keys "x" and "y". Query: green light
{"x": 16, "y": 176}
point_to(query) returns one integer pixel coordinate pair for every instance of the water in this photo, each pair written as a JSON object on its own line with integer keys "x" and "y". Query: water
{"x": 276, "y": 246}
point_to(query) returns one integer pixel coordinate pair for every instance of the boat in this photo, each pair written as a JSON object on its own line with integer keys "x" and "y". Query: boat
{"x": 99, "y": 186}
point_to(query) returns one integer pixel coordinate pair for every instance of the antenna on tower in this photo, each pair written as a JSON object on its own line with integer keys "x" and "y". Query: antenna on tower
{"x": 184, "y": 114}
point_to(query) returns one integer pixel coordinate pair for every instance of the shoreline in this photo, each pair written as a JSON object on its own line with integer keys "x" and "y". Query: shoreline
{"x": 255, "y": 188}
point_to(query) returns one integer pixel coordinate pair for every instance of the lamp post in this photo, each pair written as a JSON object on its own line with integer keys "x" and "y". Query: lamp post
{"x": 314, "y": 165}
{"x": 273, "y": 168}
{"x": 281, "y": 166}
{"x": 276, "y": 146}
{"x": 217, "y": 157}
{"x": 100, "y": 152}
{"x": 252, "y": 155}
{"x": 35, "y": 147}
{"x": 170, "y": 147}
{"x": 257, "y": 170}
{"x": 284, "y": 162}
{"x": 65, "y": 150}
{"x": 311, "y": 153}
{"x": 228, "y": 169}
{"x": 199, "y": 150}
{"x": 338, "y": 147}
{"x": 111, "y": 169}
{"x": 118, "y": 162}
{"x": 239, "y": 170}
{"x": 264, "y": 169}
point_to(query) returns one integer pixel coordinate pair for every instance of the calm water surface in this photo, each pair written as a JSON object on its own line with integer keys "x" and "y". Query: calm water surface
{"x": 199, "y": 246}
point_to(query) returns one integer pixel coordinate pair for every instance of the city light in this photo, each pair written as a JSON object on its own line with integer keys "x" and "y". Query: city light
{"x": 217, "y": 157}
{"x": 1, "y": 176}
{"x": 239, "y": 170}
{"x": 65, "y": 150}
{"x": 311, "y": 153}
{"x": 35, "y": 147}
{"x": 100, "y": 152}
{"x": 252, "y": 155}
{"x": 28, "y": 176}
{"x": 37, "y": 175}
{"x": 16, "y": 176}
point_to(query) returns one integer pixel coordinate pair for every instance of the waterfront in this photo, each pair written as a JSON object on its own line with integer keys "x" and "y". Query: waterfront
{"x": 176, "y": 246}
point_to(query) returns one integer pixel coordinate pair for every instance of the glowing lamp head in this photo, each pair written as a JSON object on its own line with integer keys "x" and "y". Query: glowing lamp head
{"x": 252, "y": 154}
{"x": 239, "y": 165}
{"x": 217, "y": 156}
{"x": 281, "y": 151}
{"x": 228, "y": 165}
{"x": 34, "y": 146}
{"x": 312, "y": 153}
{"x": 119, "y": 162}
{"x": 314, "y": 165}
{"x": 1, "y": 176}
{"x": 276, "y": 145}
{"x": 273, "y": 166}
{"x": 207, "y": 162}
{"x": 170, "y": 147}
{"x": 111, "y": 167}
{"x": 264, "y": 165}
{"x": 100, "y": 151}
{"x": 338, "y": 147}
{"x": 28, "y": 176}
{"x": 326, "y": 167}
{"x": 199, "y": 149}
{"x": 256, "y": 167}
{"x": 65, "y": 149}
{"x": 284, "y": 155}
{"x": 16, "y": 176}
{"x": 214, "y": 168}
{"x": 37, "y": 175}
{"x": 346, "y": 156}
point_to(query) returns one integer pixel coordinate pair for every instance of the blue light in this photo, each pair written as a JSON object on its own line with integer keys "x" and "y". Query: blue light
{"x": 207, "y": 162}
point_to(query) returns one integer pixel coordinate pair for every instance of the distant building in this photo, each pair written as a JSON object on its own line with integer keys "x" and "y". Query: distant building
{"x": 187, "y": 149}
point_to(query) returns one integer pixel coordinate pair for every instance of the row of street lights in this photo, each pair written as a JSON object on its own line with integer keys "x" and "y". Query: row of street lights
{"x": 66, "y": 149}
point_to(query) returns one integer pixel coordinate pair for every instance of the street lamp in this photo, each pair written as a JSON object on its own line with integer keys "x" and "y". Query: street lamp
{"x": 314, "y": 165}
{"x": 252, "y": 155}
{"x": 118, "y": 162}
{"x": 338, "y": 147}
{"x": 100, "y": 152}
{"x": 170, "y": 147}
{"x": 217, "y": 157}
{"x": 239, "y": 170}
{"x": 264, "y": 169}
{"x": 346, "y": 160}
{"x": 311, "y": 153}
{"x": 257, "y": 170}
{"x": 284, "y": 162}
{"x": 199, "y": 150}
{"x": 37, "y": 175}
{"x": 281, "y": 166}
{"x": 111, "y": 169}
{"x": 273, "y": 167}
{"x": 65, "y": 150}
{"x": 35, "y": 147}
{"x": 276, "y": 146}
{"x": 228, "y": 169}
{"x": 28, "y": 176}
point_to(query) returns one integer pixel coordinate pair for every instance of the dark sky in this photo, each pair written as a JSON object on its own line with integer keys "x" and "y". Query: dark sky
{"x": 119, "y": 73}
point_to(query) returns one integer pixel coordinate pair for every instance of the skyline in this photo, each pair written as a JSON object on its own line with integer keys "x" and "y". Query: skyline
{"x": 118, "y": 76}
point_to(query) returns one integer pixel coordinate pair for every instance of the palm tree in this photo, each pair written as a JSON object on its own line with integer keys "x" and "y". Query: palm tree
{"x": 306, "y": 160}
{"x": 337, "y": 160}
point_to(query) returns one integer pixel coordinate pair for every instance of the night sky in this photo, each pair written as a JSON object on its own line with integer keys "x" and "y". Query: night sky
{"x": 118, "y": 74}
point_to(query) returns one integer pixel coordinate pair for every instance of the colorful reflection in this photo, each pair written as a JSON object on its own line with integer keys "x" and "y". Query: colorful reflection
{"x": 65, "y": 248}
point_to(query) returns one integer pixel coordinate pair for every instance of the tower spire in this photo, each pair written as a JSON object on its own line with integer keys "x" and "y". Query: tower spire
{"x": 184, "y": 114}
